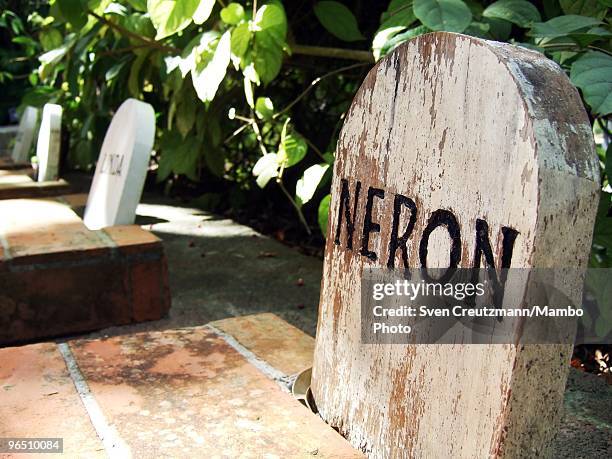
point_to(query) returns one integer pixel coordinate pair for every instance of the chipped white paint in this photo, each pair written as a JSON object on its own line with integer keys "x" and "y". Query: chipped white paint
{"x": 49, "y": 142}
{"x": 25, "y": 136}
{"x": 486, "y": 131}
{"x": 122, "y": 166}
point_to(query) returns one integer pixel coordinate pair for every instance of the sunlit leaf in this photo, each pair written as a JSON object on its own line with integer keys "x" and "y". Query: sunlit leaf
{"x": 233, "y": 13}
{"x": 206, "y": 80}
{"x": 264, "y": 108}
{"x": 308, "y": 183}
{"x": 323, "y": 214}
{"x": 170, "y": 16}
{"x": 265, "y": 169}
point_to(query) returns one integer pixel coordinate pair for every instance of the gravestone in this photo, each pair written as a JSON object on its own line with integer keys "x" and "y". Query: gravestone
{"x": 49, "y": 143}
{"x": 452, "y": 144}
{"x": 25, "y": 136}
{"x": 122, "y": 167}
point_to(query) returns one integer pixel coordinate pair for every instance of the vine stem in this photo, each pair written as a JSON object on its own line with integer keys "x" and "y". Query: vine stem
{"x": 313, "y": 83}
{"x": 135, "y": 36}
{"x": 295, "y": 206}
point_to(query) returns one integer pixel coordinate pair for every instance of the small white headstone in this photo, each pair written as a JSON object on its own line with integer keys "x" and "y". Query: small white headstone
{"x": 122, "y": 167}
{"x": 25, "y": 135}
{"x": 49, "y": 140}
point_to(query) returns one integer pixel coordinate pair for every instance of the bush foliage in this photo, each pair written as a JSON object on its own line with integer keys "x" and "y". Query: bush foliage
{"x": 251, "y": 95}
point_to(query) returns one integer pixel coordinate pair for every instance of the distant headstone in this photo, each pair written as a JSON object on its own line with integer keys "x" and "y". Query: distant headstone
{"x": 49, "y": 143}
{"x": 25, "y": 136}
{"x": 455, "y": 151}
{"x": 122, "y": 166}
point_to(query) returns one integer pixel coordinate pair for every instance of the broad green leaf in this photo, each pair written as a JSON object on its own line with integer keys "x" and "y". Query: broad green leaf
{"x": 498, "y": 28}
{"x": 270, "y": 27}
{"x": 171, "y": 16}
{"x": 268, "y": 57}
{"x": 562, "y": 26}
{"x": 241, "y": 37}
{"x": 271, "y": 18}
{"x": 207, "y": 78}
{"x": 202, "y": 12}
{"x": 338, "y": 20}
{"x": 308, "y": 183}
{"x": 248, "y": 92}
{"x": 478, "y": 29}
{"x": 178, "y": 156}
{"x": 448, "y": 15}
{"x": 584, "y": 39}
{"x": 50, "y": 38}
{"x": 265, "y": 169}
{"x": 584, "y": 7}
{"x": 138, "y": 5}
{"x": 74, "y": 11}
{"x": 233, "y": 13}
{"x": 186, "y": 113}
{"x": 399, "y": 13}
{"x": 323, "y": 214}
{"x": 264, "y": 108}
{"x": 607, "y": 3}
{"x": 519, "y": 12}
{"x": 592, "y": 73}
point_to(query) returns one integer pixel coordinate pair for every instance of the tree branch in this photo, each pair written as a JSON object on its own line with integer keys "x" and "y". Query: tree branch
{"x": 333, "y": 53}
{"x": 122, "y": 30}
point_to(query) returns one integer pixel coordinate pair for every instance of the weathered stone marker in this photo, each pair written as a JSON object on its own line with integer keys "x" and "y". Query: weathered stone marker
{"x": 49, "y": 142}
{"x": 454, "y": 150}
{"x": 25, "y": 136}
{"x": 122, "y": 166}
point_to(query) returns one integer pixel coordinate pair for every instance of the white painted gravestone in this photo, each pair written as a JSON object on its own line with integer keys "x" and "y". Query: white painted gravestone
{"x": 122, "y": 166}
{"x": 49, "y": 143}
{"x": 455, "y": 151}
{"x": 25, "y": 136}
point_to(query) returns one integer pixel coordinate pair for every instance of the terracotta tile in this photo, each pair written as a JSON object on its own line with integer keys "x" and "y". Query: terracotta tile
{"x": 38, "y": 399}
{"x": 271, "y": 339}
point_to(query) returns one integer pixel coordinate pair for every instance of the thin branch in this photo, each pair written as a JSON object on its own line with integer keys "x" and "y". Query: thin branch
{"x": 295, "y": 206}
{"x": 313, "y": 83}
{"x": 314, "y": 148}
{"x": 122, "y": 30}
{"x": 333, "y": 53}
{"x": 110, "y": 52}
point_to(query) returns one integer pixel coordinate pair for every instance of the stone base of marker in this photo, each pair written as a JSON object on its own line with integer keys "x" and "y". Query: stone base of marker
{"x": 18, "y": 184}
{"x": 57, "y": 277}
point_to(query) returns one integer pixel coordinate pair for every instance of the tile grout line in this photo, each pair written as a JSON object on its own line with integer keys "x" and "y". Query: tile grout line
{"x": 113, "y": 444}
{"x": 283, "y": 380}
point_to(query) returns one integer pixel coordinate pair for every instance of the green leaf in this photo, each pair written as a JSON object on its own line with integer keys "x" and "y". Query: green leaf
{"x": 265, "y": 169}
{"x": 448, "y": 15}
{"x": 592, "y": 73}
{"x": 134, "y": 78}
{"x": 171, "y": 16}
{"x": 338, "y": 20}
{"x": 399, "y": 13}
{"x": 49, "y": 39}
{"x": 270, "y": 26}
{"x": 264, "y": 108}
{"x": 207, "y": 77}
{"x": 498, "y": 28}
{"x": 292, "y": 148}
{"x": 403, "y": 37}
{"x": 74, "y": 11}
{"x": 202, "y": 12}
{"x": 584, "y": 7}
{"x": 178, "y": 156}
{"x": 232, "y": 14}
{"x": 562, "y": 26}
{"x": 519, "y": 12}
{"x": 307, "y": 185}
{"x": 602, "y": 235}
{"x": 241, "y": 37}
{"x": 323, "y": 214}
{"x": 138, "y": 5}
{"x": 268, "y": 56}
